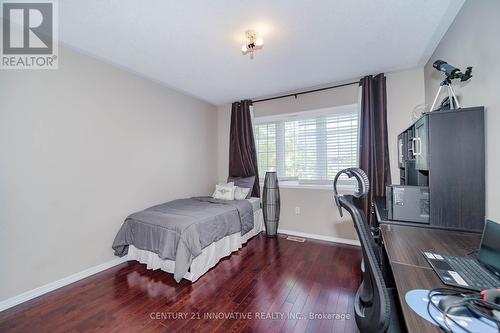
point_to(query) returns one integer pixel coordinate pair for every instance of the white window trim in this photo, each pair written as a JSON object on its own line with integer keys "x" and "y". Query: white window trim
{"x": 346, "y": 184}
{"x": 308, "y": 114}
{"x": 342, "y": 184}
{"x": 292, "y": 182}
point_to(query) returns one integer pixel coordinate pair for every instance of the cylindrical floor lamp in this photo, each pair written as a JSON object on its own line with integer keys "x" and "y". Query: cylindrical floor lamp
{"x": 271, "y": 203}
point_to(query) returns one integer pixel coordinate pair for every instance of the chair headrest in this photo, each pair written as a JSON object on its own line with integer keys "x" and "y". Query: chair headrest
{"x": 362, "y": 188}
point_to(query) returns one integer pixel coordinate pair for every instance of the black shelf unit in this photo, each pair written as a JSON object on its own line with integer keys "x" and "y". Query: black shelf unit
{"x": 445, "y": 150}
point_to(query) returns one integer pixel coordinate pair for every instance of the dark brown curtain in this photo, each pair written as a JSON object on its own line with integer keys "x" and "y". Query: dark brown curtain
{"x": 373, "y": 143}
{"x": 242, "y": 152}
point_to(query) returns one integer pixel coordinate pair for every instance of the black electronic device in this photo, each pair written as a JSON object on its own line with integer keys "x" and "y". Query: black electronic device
{"x": 408, "y": 203}
{"x": 462, "y": 311}
{"x": 454, "y": 305}
{"x": 478, "y": 273}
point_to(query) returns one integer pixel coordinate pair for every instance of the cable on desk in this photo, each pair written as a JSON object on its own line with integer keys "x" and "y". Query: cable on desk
{"x": 472, "y": 300}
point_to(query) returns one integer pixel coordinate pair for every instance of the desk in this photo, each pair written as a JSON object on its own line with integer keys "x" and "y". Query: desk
{"x": 404, "y": 246}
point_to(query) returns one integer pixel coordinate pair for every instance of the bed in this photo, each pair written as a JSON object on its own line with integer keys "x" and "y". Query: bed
{"x": 187, "y": 237}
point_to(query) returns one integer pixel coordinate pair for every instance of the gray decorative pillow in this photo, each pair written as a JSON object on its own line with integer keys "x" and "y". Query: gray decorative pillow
{"x": 243, "y": 182}
{"x": 241, "y": 193}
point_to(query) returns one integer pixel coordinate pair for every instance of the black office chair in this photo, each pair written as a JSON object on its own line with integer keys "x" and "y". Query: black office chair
{"x": 375, "y": 305}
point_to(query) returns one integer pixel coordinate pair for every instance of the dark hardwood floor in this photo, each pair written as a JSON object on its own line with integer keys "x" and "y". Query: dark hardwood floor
{"x": 275, "y": 283}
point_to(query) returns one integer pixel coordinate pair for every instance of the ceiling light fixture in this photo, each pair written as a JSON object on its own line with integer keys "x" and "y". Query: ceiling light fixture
{"x": 254, "y": 43}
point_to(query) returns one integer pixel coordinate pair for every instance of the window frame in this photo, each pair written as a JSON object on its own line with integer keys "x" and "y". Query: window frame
{"x": 289, "y": 182}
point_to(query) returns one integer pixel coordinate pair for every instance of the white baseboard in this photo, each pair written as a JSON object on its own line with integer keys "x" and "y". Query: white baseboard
{"x": 319, "y": 237}
{"x": 26, "y": 296}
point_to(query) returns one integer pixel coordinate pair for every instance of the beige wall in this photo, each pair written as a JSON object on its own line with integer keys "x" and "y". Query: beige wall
{"x": 318, "y": 213}
{"x": 472, "y": 40}
{"x": 81, "y": 148}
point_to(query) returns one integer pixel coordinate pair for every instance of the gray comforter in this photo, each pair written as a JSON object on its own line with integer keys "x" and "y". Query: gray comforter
{"x": 178, "y": 230}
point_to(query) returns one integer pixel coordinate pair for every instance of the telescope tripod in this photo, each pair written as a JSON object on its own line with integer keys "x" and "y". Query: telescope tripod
{"x": 454, "y": 104}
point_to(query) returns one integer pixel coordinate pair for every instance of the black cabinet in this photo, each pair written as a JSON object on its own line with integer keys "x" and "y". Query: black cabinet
{"x": 420, "y": 144}
{"x": 445, "y": 150}
{"x": 457, "y": 168}
{"x": 401, "y": 148}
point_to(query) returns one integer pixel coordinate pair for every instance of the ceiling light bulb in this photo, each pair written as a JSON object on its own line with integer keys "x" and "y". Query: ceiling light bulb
{"x": 244, "y": 48}
{"x": 259, "y": 41}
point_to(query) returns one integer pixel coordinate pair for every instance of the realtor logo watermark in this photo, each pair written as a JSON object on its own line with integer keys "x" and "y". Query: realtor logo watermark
{"x": 29, "y": 34}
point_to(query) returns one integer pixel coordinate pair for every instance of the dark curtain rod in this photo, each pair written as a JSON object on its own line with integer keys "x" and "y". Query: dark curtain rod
{"x": 305, "y": 92}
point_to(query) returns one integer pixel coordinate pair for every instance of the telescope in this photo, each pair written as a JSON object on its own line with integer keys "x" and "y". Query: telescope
{"x": 451, "y": 73}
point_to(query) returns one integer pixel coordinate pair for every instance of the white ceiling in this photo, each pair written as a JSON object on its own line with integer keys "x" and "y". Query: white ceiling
{"x": 194, "y": 46}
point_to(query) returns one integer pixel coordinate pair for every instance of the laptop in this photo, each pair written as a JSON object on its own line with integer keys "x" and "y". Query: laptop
{"x": 482, "y": 272}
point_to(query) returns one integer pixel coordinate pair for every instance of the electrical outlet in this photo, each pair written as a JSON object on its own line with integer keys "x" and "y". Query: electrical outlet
{"x": 297, "y": 210}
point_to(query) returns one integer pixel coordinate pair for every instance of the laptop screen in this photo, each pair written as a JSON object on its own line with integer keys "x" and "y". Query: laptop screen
{"x": 489, "y": 252}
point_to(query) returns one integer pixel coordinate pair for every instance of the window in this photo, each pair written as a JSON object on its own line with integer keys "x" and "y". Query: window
{"x": 311, "y": 146}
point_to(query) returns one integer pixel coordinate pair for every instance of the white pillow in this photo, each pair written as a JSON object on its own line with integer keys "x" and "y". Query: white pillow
{"x": 224, "y": 192}
{"x": 241, "y": 193}
{"x": 226, "y": 184}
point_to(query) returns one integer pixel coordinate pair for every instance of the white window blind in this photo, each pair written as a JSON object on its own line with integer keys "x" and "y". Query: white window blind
{"x": 310, "y": 146}
{"x": 265, "y": 141}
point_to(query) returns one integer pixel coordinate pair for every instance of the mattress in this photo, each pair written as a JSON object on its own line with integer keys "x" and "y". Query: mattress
{"x": 179, "y": 229}
{"x": 255, "y": 202}
{"x": 209, "y": 256}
